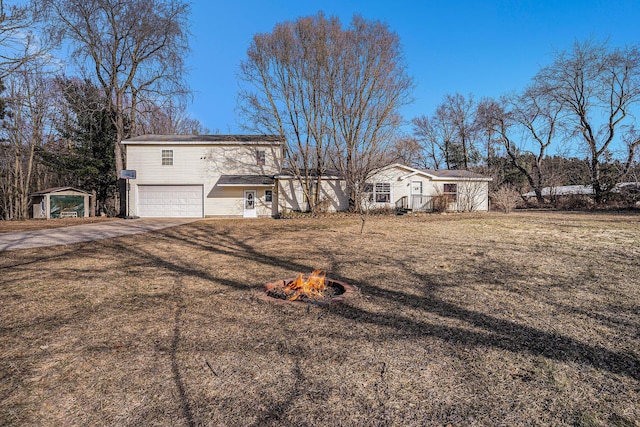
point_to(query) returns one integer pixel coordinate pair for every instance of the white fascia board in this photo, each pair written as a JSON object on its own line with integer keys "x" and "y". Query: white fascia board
{"x": 244, "y": 185}
{"x": 463, "y": 179}
{"x": 322, "y": 178}
{"x": 215, "y": 143}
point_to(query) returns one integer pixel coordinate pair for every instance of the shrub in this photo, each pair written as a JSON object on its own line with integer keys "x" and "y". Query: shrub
{"x": 440, "y": 202}
{"x": 574, "y": 202}
{"x": 506, "y": 198}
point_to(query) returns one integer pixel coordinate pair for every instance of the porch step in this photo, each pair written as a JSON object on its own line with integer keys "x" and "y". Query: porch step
{"x": 402, "y": 211}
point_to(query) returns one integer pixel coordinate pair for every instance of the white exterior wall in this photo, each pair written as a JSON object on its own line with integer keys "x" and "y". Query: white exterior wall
{"x": 291, "y": 196}
{"x": 229, "y": 201}
{"x": 203, "y": 164}
{"x": 400, "y": 188}
{"x": 473, "y": 194}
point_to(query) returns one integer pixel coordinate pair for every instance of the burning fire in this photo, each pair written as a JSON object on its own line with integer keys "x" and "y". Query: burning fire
{"x": 310, "y": 286}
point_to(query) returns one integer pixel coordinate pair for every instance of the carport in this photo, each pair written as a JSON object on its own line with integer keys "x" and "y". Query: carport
{"x": 60, "y": 202}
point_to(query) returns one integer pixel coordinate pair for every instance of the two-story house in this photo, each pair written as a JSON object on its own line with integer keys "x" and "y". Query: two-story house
{"x": 243, "y": 176}
{"x": 203, "y": 175}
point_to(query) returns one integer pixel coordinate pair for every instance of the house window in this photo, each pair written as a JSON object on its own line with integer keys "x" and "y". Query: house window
{"x": 368, "y": 191}
{"x": 167, "y": 157}
{"x": 260, "y": 157}
{"x": 383, "y": 192}
{"x": 451, "y": 191}
{"x": 268, "y": 196}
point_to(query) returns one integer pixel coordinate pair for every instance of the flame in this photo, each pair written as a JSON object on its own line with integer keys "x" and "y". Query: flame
{"x": 310, "y": 286}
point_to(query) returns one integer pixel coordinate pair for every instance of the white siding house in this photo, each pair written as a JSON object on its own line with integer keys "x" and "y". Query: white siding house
{"x": 407, "y": 188}
{"x": 395, "y": 186}
{"x": 242, "y": 175}
{"x": 203, "y": 175}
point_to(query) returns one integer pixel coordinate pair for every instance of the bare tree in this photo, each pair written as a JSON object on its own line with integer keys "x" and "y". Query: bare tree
{"x": 370, "y": 85}
{"x": 287, "y": 78}
{"x": 168, "y": 118}
{"x": 525, "y": 118}
{"x": 435, "y": 135}
{"x": 461, "y": 113}
{"x": 27, "y": 126}
{"x": 408, "y": 150}
{"x": 18, "y": 41}
{"x": 134, "y": 49}
{"x": 332, "y": 92}
{"x": 471, "y": 194}
{"x": 597, "y": 86}
{"x": 450, "y": 134}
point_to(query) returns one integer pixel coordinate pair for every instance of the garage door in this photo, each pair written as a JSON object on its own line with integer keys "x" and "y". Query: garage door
{"x": 184, "y": 201}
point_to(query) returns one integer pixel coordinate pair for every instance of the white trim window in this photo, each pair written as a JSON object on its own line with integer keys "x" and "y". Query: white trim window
{"x": 451, "y": 192}
{"x": 167, "y": 157}
{"x": 261, "y": 158}
{"x": 268, "y": 196}
{"x": 382, "y": 192}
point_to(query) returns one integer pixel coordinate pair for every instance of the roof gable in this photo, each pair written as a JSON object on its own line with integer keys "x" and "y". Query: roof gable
{"x": 57, "y": 190}
{"x": 438, "y": 174}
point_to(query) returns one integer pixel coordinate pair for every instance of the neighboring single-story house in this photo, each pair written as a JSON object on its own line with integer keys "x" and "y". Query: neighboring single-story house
{"x": 563, "y": 190}
{"x": 583, "y": 190}
{"x": 242, "y": 175}
{"x": 60, "y": 202}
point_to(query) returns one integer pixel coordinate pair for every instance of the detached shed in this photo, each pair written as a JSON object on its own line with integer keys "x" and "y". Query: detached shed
{"x": 60, "y": 202}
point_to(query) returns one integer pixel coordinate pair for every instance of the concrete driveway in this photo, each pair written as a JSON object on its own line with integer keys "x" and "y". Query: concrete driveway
{"x": 85, "y": 232}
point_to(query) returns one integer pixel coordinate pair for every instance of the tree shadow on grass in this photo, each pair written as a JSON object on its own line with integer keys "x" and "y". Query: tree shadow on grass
{"x": 224, "y": 245}
{"x": 185, "y": 406}
{"x": 485, "y": 330}
{"x": 494, "y": 332}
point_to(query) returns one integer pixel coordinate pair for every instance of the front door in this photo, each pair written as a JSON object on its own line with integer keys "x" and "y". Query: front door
{"x": 416, "y": 195}
{"x": 250, "y": 210}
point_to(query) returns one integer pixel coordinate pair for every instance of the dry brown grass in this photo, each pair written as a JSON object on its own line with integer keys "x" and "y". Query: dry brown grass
{"x": 476, "y": 319}
{"x": 40, "y": 224}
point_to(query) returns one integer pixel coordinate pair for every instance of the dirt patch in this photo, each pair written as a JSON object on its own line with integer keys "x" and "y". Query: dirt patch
{"x": 521, "y": 319}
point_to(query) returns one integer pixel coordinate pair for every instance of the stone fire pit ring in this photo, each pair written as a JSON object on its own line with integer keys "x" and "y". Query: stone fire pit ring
{"x": 347, "y": 289}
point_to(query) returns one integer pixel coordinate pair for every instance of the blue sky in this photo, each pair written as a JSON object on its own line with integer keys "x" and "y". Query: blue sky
{"x": 487, "y": 48}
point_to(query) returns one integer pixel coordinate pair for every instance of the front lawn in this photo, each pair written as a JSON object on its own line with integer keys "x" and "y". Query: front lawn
{"x": 470, "y": 319}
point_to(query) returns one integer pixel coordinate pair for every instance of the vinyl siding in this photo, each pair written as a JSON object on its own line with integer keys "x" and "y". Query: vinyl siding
{"x": 471, "y": 193}
{"x": 291, "y": 196}
{"x": 228, "y": 201}
{"x": 203, "y": 165}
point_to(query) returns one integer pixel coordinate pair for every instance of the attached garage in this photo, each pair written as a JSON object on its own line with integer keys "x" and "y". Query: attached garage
{"x": 180, "y": 201}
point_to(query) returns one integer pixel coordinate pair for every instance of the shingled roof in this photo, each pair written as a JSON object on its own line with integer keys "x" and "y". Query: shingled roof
{"x": 245, "y": 180}
{"x": 205, "y": 139}
{"x": 453, "y": 173}
{"x": 57, "y": 190}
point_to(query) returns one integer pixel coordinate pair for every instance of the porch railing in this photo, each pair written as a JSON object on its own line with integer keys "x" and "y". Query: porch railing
{"x": 421, "y": 203}
{"x": 402, "y": 203}
{"x": 415, "y": 203}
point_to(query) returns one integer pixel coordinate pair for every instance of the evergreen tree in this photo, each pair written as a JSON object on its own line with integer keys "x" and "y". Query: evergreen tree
{"x": 85, "y": 152}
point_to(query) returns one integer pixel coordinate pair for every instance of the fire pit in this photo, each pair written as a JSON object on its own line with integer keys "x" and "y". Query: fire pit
{"x": 314, "y": 288}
